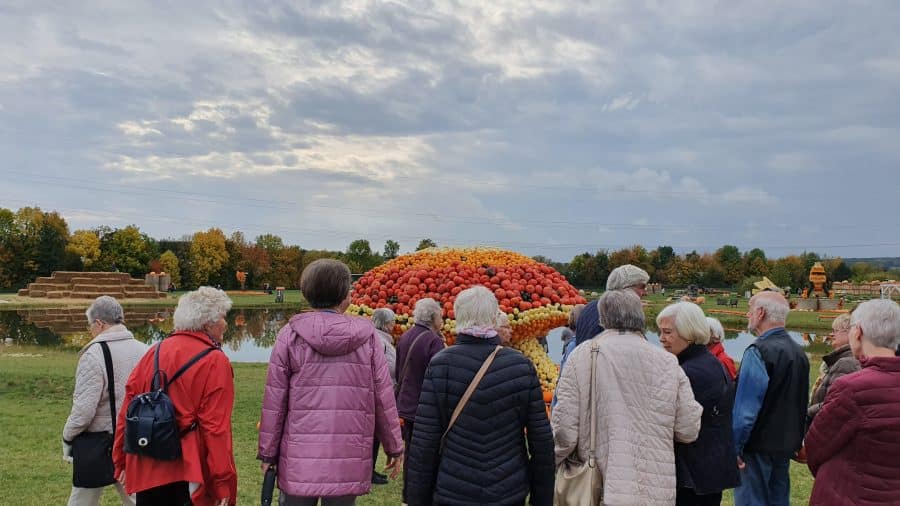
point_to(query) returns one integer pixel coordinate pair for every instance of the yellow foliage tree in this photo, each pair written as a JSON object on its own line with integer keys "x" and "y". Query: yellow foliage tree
{"x": 208, "y": 255}
{"x": 169, "y": 263}
{"x": 86, "y": 245}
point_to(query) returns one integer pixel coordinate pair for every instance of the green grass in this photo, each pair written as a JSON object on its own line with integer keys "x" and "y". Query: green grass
{"x": 36, "y": 395}
{"x": 292, "y": 299}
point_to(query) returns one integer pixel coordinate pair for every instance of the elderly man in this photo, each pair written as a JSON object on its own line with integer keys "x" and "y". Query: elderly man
{"x": 834, "y": 365}
{"x": 853, "y": 441}
{"x": 769, "y": 414}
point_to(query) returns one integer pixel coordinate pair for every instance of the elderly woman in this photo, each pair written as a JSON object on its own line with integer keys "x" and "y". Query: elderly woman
{"x": 716, "y": 334}
{"x": 853, "y": 442}
{"x": 203, "y": 396}
{"x": 504, "y": 331}
{"x": 90, "y": 401}
{"x": 384, "y": 321}
{"x": 327, "y": 392}
{"x": 834, "y": 365}
{"x": 705, "y": 467}
{"x": 414, "y": 351}
{"x": 642, "y": 404}
{"x": 500, "y": 449}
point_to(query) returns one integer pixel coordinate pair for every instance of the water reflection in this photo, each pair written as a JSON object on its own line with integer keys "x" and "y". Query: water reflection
{"x": 251, "y": 332}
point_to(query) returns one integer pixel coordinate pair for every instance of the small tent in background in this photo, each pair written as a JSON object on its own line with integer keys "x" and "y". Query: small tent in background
{"x": 766, "y": 284}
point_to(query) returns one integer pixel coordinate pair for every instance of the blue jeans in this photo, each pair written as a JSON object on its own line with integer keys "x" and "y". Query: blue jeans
{"x": 765, "y": 480}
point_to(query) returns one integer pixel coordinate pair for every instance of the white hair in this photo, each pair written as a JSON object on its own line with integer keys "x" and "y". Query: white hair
{"x": 716, "y": 331}
{"x": 426, "y": 311}
{"x": 626, "y": 276}
{"x": 690, "y": 322}
{"x": 774, "y": 304}
{"x": 105, "y": 309}
{"x": 475, "y": 307}
{"x": 383, "y": 319}
{"x": 200, "y": 307}
{"x": 502, "y": 319}
{"x": 879, "y": 320}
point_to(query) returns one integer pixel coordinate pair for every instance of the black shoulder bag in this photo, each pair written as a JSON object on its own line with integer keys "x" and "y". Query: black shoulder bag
{"x": 92, "y": 465}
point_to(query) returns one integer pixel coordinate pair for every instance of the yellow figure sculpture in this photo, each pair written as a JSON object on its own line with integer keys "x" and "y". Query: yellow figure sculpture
{"x": 817, "y": 278}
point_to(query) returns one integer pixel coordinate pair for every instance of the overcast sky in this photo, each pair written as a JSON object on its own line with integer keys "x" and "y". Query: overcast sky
{"x": 546, "y": 127}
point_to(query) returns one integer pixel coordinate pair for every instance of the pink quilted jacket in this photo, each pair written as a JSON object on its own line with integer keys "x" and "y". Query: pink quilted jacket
{"x": 328, "y": 392}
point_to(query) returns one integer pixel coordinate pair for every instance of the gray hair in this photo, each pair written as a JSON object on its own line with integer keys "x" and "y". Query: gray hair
{"x": 879, "y": 320}
{"x": 626, "y": 276}
{"x": 774, "y": 304}
{"x": 426, "y": 311}
{"x": 621, "y": 310}
{"x": 574, "y": 314}
{"x": 200, "y": 307}
{"x": 383, "y": 319}
{"x": 716, "y": 331}
{"x": 475, "y": 307}
{"x": 502, "y": 319}
{"x": 106, "y": 309}
{"x": 690, "y": 322}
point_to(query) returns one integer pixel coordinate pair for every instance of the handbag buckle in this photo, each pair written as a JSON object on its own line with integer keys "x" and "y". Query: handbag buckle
{"x": 142, "y": 442}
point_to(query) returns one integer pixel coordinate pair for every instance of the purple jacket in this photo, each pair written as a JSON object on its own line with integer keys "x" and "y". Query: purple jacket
{"x": 410, "y": 386}
{"x": 328, "y": 392}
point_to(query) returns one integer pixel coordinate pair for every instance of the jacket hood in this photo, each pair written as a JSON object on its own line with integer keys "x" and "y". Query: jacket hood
{"x": 331, "y": 333}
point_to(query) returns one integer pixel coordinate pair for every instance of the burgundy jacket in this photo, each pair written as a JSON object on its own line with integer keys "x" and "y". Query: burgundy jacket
{"x": 853, "y": 443}
{"x": 427, "y": 344}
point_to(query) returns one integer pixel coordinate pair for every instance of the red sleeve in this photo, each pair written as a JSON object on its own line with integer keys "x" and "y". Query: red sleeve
{"x": 833, "y": 427}
{"x": 119, "y": 443}
{"x": 214, "y": 417}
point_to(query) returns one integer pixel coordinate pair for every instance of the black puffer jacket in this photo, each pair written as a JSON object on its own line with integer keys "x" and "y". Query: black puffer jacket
{"x": 488, "y": 456}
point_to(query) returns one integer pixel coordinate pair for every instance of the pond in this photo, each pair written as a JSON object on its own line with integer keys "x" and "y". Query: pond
{"x": 251, "y": 332}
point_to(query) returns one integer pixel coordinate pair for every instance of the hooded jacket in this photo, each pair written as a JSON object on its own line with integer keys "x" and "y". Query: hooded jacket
{"x": 328, "y": 391}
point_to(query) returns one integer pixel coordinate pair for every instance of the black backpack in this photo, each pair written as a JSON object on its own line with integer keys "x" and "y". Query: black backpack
{"x": 151, "y": 428}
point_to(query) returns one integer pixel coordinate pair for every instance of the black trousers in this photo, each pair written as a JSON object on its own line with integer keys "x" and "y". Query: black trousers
{"x": 172, "y": 494}
{"x": 407, "y": 431}
{"x": 375, "y": 448}
{"x": 687, "y": 497}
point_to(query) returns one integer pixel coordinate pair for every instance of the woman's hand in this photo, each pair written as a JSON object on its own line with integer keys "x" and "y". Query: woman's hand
{"x": 394, "y": 465}
{"x": 222, "y": 502}
{"x": 265, "y": 467}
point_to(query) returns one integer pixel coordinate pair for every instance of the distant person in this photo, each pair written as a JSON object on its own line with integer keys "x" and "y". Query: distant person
{"x": 384, "y": 320}
{"x": 203, "y": 397}
{"x": 834, "y": 365}
{"x": 90, "y": 400}
{"x": 568, "y": 332}
{"x": 414, "y": 352}
{"x": 328, "y": 390}
{"x": 853, "y": 443}
{"x": 641, "y": 401}
{"x": 504, "y": 330}
{"x": 500, "y": 449}
{"x": 715, "y": 346}
{"x": 705, "y": 467}
{"x": 770, "y": 405}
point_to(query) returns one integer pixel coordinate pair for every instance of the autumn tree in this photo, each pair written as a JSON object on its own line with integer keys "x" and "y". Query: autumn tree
{"x": 85, "y": 244}
{"x": 426, "y": 243}
{"x": 755, "y": 263}
{"x": 126, "y": 250}
{"x": 729, "y": 262}
{"x": 208, "y": 255}
{"x": 391, "y": 249}
{"x": 170, "y": 266}
{"x": 359, "y": 256}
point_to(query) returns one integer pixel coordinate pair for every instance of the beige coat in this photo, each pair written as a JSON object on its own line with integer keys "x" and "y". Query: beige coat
{"x": 390, "y": 353}
{"x": 644, "y": 404}
{"x": 90, "y": 401}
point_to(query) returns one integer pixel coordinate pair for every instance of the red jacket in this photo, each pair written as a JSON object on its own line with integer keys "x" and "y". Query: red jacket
{"x": 719, "y": 352}
{"x": 205, "y": 393}
{"x": 853, "y": 443}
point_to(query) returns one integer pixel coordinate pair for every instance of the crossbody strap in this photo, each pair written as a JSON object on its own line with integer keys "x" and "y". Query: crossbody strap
{"x": 196, "y": 358}
{"x": 592, "y": 406}
{"x": 469, "y": 391}
{"x": 110, "y": 384}
{"x": 402, "y": 375}
{"x": 161, "y": 381}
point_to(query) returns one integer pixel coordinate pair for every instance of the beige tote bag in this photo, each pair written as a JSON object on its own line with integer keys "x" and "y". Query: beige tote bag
{"x": 580, "y": 483}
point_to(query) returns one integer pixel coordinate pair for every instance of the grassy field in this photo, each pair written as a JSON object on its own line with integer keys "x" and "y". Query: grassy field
{"x": 35, "y": 397}
{"x": 242, "y": 300}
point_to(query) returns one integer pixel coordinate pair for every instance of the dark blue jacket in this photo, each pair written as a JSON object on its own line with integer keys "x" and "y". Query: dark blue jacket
{"x": 708, "y": 465}
{"x": 500, "y": 450}
{"x": 588, "y": 324}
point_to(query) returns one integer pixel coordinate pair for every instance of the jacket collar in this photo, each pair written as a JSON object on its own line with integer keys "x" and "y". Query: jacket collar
{"x": 887, "y": 364}
{"x": 834, "y": 356}
{"x": 692, "y": 351}
{"x": 771, "y": 332}
{"x": 467, "y": 339}
{"x": 116, "y": 332}
{"x": 198, "y": 335}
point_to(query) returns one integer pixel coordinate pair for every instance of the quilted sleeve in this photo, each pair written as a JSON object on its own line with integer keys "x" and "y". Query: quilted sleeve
{"x": 275, "y": 399}
{"x": 833, "y": 427}
{"x": 424, "y": 451}
{"x": 387, "y": 425}
{"x": 565, "y": 418}
{"x": 90, "y": 382}
{"x": 540, "y": 444}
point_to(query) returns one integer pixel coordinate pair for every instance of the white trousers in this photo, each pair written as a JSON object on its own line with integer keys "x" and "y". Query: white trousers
{"x": 91, "y": 496}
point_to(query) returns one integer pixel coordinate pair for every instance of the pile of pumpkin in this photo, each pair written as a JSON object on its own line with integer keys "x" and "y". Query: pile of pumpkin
{"x": 535, "y": 297}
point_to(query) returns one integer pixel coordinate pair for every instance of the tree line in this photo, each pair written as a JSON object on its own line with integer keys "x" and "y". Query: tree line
{"x": 35, "y": 243}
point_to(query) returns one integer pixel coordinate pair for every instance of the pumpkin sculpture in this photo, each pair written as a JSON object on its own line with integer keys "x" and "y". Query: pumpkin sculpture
{"x": 535, "y": 297}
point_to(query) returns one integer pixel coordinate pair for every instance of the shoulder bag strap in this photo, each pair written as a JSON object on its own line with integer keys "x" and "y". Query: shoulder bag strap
{"x": 592, "y": 406}
{"x": 469, "y": 391}
{"x": 110, "y": 384}
{"x": 158, "y": 380}
{"x": 196, "y": 358}
{"x": 402, "y": 375}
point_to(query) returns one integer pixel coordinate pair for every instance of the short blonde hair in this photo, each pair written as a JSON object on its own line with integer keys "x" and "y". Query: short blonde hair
{"x": 690, "y": 322}
{"x": 841, "y": 323}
